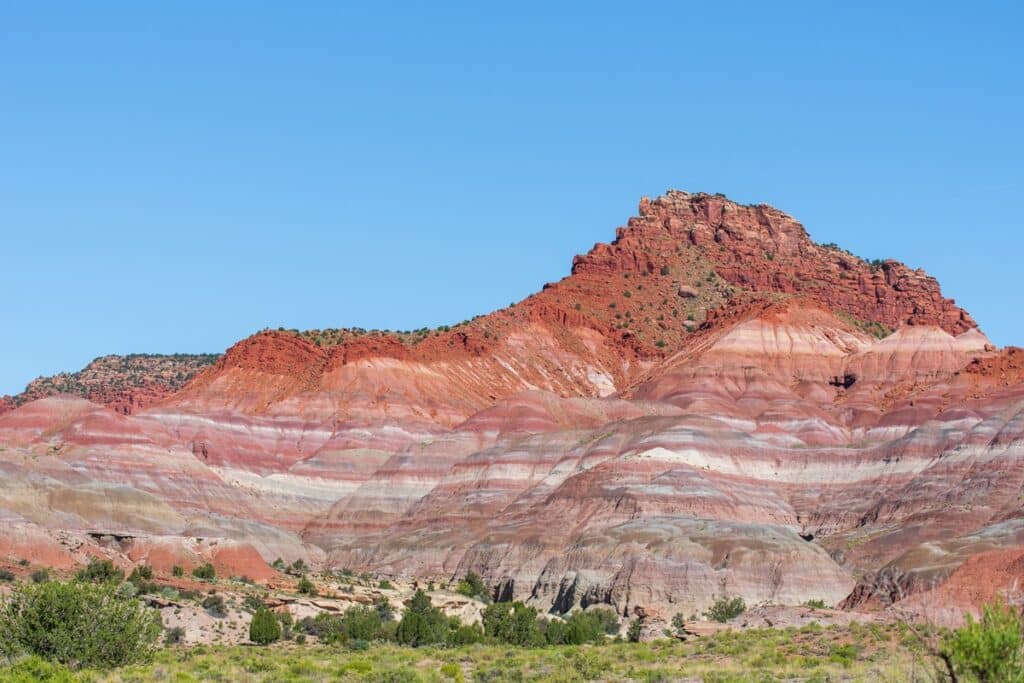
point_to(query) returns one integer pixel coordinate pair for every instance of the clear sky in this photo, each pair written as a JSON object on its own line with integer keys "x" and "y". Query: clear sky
{"x": 175, "y": 176}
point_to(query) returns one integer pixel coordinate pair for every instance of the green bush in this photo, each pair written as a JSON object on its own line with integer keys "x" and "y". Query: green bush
{"x": 679, "y": 624}
{"x": 264, "y": 627}
{"x": 989, "y": 650}
{"x": 306, "y": 587}
{"x": 473, "y": 587}
{"x": 816, "y": 604}
{"x": 77, "y": 624}
{"x": 141, "y": 573}
{"x": 100, "y": 571}
{"x": 361, "y": 623}
{"x": 384, "y": 609}
{"x": 205, "y": 572}
{"x": 422, "y": 623}
{"x": 177, "y": 571}
{"x": 465, "y": 634}
{"x": 583, "y": 627}
{"x": 6, "y": 576}
{"x": 725, "y": 609}
{"x": 513, "y": 623}
{"x": 252, "y": 602}
{"x": 174, "y": 636}
{"x": 40, "y": 576}
{"x": 633, "y": 632}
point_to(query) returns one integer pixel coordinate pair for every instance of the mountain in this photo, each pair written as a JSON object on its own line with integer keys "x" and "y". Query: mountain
{"x": 710, "y": 405}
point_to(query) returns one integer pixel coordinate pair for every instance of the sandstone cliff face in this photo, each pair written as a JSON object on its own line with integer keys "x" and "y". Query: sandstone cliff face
{"x": 712, "y": 405}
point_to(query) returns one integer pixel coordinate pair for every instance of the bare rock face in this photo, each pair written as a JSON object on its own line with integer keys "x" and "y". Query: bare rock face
{"x": 710, "y": 406}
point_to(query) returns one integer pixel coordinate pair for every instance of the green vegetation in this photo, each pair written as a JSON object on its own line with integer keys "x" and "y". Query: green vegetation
{"x": 473, "y": 587}
{"x": 6, "y": 576}
{"x": 725, "y": 609}
{"x": 264, "y": 628}
{"x": 206, "y": 572}
{"x": 94, "y": 629}
{"x": 100, "y": 571}
{"x": 422, "y": 623}
{"x": 306, "y": 587}
{"x": 108, "y": 374}
{"x": 881, "y": 654}
{"x": 78, "y": 624}
{"x": 990, "y": 649}
{"x": 875, "y": 329}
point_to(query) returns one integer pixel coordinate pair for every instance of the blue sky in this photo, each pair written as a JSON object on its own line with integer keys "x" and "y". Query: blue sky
{"x": 175, "y": 176}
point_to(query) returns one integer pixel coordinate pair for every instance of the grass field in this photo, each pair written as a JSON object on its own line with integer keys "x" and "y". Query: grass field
{"x": 859, "y": 653}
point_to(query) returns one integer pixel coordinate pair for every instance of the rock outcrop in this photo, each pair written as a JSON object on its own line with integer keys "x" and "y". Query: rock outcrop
{"x": 124, "y": 383}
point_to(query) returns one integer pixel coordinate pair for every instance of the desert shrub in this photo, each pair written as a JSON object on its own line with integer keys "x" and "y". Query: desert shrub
{"x": 177, "y": 571}
{"x": 361, "y": 623}
{"x": 990, "y": 649}
{"x": 608, "y": 618}
{"x": 264, "y": 627}
{"x": 816, "y": 604}
{"x": 512, "y": 623}
{"x": 40, "y": 576}
{"x": 126, "y": 590}
{"x": 473, "y": 587}
{"x": 465, "y": 634}
{"x": 6, "y": 575}
{"x": 214, "y": 604}
{"x": 384, "y": 609}
{"x": 205, "y": 572}
{"x": 633, "y": 632}
{"x": 252, "y": 603}
{"x": 173, "y": 636}
{"x": 725, "y": 609}
{"x": 100, "y": 571}
{"x": 584, "y": 627}
{"x": 286, "y": 621}
{"x": 297, "y": 568}
{"x": 422, "y": 623}
{"x": 77, "y": 624}
{"x": 141, "y": 573}
{"x": 843, "y": 654}
{"x": 326, "y": 627}
{"x": 385, "y": 585}
{"x": 306, "y": 586}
